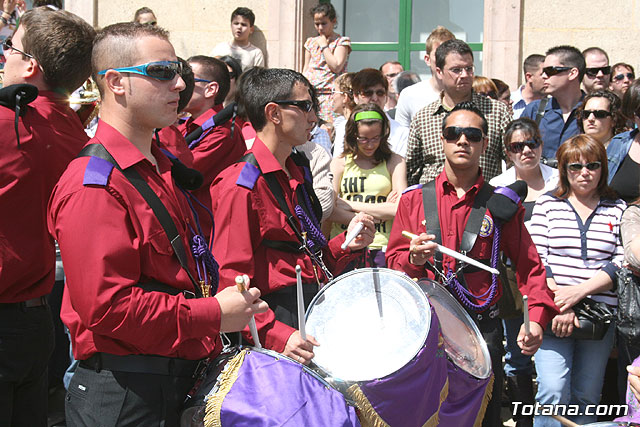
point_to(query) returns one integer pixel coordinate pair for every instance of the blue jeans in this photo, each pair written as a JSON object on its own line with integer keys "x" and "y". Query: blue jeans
{"x": 571, "y": 372}
{"x": 516, "y": 363}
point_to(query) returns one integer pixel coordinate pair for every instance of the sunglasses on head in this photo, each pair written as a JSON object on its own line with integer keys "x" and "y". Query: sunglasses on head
{"x": 159, "y": 70}
{"x": 369, "y": 93}
{"x": 621, "y": 76}
{"x": 518, "y": 146}
{"x": 305, "y": 105}
{"x": 552, "y": 70}
{"x": 593, "y": 71}
{"x": 453, "y": 133}
{"x": 598, "y": 114}
{"x": 577, "y": 167}
{"x": 8, "y": 45}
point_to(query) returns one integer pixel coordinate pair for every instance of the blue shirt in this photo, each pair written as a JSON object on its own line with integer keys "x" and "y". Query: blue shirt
{"x": 553, "y": 129}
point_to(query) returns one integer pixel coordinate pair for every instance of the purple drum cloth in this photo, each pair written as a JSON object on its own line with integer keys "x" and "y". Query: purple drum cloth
{"x": 278, "y": 392}
{"x": 411, "y": 395}
{"x": 633, "y": 415}
{"x": 466, "y": 399}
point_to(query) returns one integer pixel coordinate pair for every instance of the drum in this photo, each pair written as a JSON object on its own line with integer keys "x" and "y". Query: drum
{"x": 380, "y": 345}
{"x": 469, "y": 363}
{"x": 260, "y": 387}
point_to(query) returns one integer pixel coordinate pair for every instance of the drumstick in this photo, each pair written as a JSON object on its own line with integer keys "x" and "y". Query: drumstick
{"x": 457, "y": 255}
{"x": 564, "y": 421}
{"x": 301, "y": 324}
{"x": 354, "y": 233}
{"x": 240, "y": 284}
{"x": 525, "y": 313}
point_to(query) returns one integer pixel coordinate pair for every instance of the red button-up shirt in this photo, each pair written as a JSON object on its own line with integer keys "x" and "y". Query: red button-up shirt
{"x": 244, "y": 218}
{"x": 172, "y": 139}
{"x": 217, "y": 150}
{"x": 51, "y": 135}
{"x": 110, "y": 240}
{"x": 453, "y": 213}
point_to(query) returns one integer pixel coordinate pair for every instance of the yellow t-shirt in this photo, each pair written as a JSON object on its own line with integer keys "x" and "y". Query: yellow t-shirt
{"x": 368, "y": 186}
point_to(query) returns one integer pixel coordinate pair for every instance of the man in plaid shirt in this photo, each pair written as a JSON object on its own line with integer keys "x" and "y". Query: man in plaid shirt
{"x": 425, "y": 159}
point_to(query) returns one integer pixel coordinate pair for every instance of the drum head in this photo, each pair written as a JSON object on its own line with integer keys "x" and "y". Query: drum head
{"x": 463, "y": 342}
{"x": 369, "y": 323}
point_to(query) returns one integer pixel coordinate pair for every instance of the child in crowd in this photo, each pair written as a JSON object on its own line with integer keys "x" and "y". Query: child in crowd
{"x": 325, "y": 56}
{"x": 242, "y": 20}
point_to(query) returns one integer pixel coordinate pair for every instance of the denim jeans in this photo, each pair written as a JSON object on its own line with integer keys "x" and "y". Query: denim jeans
{"x": 571, "y": 372}
{"x": 516, "y": 363}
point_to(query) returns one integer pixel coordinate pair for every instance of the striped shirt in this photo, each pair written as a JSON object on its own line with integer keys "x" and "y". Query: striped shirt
{"x": 573, "y": 252}
{"x": 425, "y": 157}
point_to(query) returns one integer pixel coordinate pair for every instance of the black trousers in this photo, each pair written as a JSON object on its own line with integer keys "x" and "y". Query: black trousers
{"x": 26, "y": 342}
{"x": 111, "y": 398}
{"x": 492, "y": 332}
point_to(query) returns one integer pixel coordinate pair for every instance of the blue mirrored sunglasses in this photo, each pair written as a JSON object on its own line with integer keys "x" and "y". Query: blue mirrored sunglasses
{"x": 160, "y": 70}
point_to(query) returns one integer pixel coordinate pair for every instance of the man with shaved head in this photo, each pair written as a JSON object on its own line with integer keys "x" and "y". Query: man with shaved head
{"x": 140, "y": 323}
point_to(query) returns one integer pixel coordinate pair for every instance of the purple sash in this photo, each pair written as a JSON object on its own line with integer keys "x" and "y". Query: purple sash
{"x": 467, "y": 400}
{"x": 633, "y": 415}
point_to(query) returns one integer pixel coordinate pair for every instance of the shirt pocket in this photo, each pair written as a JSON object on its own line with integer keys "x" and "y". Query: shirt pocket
{"x": 160, "y": 242}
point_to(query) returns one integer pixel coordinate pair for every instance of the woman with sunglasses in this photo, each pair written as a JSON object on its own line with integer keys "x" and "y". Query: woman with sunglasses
{"x": 599, "y": 116}
{"x": 368, "y": 177}
{"x": 523, "y": 146}
{"x": 622, "y": 75}
{"x": 623, "y": 152}
{"x": 575, "y": 230}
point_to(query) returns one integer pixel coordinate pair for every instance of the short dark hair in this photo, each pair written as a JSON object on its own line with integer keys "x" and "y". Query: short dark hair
{"x": 571, "y": 150}
{"x": 594, "y": 50}
{"x": 532, "y": 63}
{"x": 526, "y": 126}
{"x": 467, "y": 106}
{"x": 631, "y": 100}
{"x": 189, "y": 82}
{"x": 501, "y": 86}
{"x": 325, "y": 9}
{"x": 390, "y": 63}
{"x": 61, "y": 42}
{"x": 246, "y": 13}
{"x": 233, "y": 63}
{"x": 351, "y": 132}
{"x": 570, "y": 56}
{"x": 614, "y": 108}
{"x": 113, "y": 47}
{"x": 405, "y": 79}
{"x": 55, "y": 3}
{"x": 451, "y": 46}
{"x": 368, "y": 77}
{"x": 142, "y": 11}
{"x": 259, "y": 86}
{"x": 215, "y": 70}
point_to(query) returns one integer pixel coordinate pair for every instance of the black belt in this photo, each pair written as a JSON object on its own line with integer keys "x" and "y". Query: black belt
{"x": 32, "y": 303}
{"x": 142, "y": 364}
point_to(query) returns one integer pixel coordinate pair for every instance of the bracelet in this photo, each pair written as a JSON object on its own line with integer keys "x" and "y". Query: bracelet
{"x": 323, "y": 48}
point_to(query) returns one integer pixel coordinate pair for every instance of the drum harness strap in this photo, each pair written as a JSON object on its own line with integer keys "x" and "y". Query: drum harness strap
{"x": 307, "y": 212}
{"x": 455, "y": 280}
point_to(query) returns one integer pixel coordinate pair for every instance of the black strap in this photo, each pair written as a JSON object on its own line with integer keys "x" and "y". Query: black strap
{"x": 541, "y": 109}
{"x": 154, "y": 202}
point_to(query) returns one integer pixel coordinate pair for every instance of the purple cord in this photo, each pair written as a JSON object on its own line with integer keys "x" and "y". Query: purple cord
{"x": 462, "y": 294}
{"x": 311, "y": 225}
{"x": 205, "y": 262}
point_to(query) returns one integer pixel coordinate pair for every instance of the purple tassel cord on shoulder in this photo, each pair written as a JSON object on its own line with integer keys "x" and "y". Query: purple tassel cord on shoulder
{"x": 488, "y": 297}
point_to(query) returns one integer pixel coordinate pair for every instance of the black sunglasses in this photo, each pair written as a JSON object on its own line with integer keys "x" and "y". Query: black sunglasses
{"x": 518, "y": 146}
{"x": 577, "y": 167}
{"x": 369, "y": 93}
{"x": 621, "y": 76}
{"x": 598, "y": 114}
{"x": 8, "y": 45}
{"x": 453, "y": 133}
{"x": 593, "y": 71}
{"x": 552, "y": 70}
{"x": 306, "y": 105}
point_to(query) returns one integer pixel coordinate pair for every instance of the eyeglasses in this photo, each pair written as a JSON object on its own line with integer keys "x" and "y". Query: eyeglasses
{"x": 8, "y": 45}
{"x": 621, "y": 76}
{"x": 552, "y": 70}
{"x": 518, "y": 146}
{"x": 593, "y": 71}
{"x": 364, "y": 140}
{"x": 160, "y": 70}
{"x": 453, "y": 133}
{"x": 392, "y": 75}
{"x": 202, "y": 80}
{"x": 458, "y": 70}
{"x": 598, "y": 114}
{"x": 577, "y": 167}
{"x": 369, "y": 93}
{"x": 305, "y": 105}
